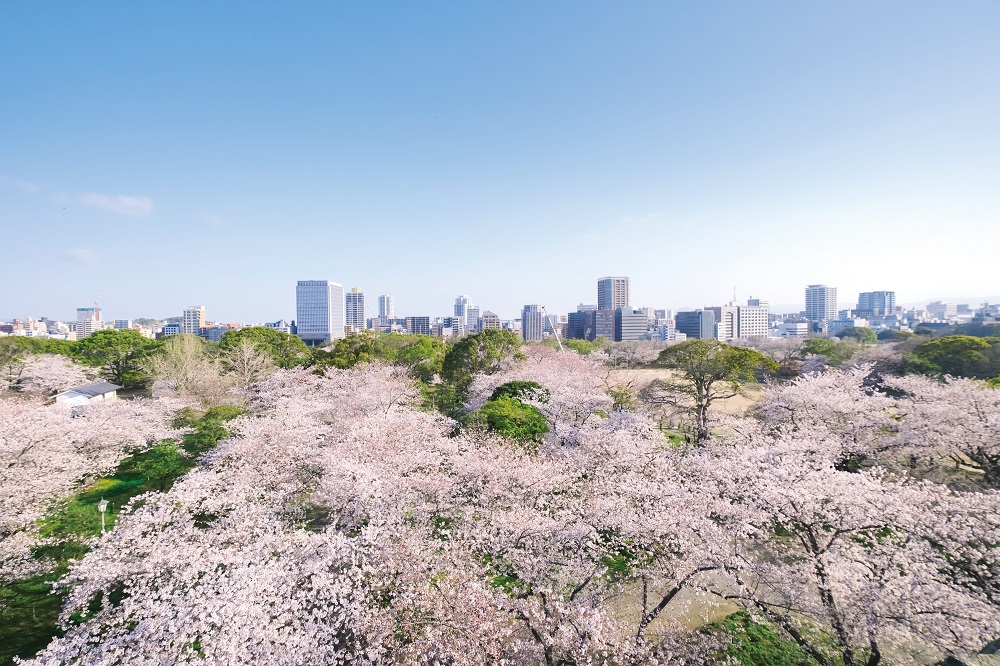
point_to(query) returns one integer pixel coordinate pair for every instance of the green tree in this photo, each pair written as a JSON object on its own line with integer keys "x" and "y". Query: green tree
{"x": 424, "y": 357}
{"x": 834, "y": 351}
{"x": 285, "y": 350}
{"x": 118, "y": 353}
{"x": 889, "y": 334}
{"x": 12, "y": 360}
{"x": 707, "y": 371}
{"x": 484, "y": 353}
{"x": 521, "y": 390}
{"x": 162, "y": 463}
{"x": 581, "y": 347}
{"x": 511, "y": 418}
{"x": 362, "y": 347}
{"x": 956, "y": 355}
{"x": 862, "y": 334}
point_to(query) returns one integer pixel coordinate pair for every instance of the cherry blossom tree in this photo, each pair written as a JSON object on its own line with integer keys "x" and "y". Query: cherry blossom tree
{"x": 48, "y": 450}
{"x": 954, "y": 418}
{"x": 46, "y": 374}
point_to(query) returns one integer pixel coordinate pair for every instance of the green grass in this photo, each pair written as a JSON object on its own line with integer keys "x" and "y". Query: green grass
{"x": 29, "y": 612}
{"x": 753, "y": 644}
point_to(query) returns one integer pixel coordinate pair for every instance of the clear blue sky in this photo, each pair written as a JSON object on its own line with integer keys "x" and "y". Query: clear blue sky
{"x": 159, "y": 155}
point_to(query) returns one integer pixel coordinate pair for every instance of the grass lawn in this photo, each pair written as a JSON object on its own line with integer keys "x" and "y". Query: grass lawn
{"x": 29, "y": 612}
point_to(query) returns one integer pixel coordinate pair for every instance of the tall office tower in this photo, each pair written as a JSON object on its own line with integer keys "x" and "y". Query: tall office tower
{"x": 613, "y": 293}
{"x": 354, "y": 309}
{"x": 193, "y": 320}
{"x": 462, "y": 305}
{"x": 319, "y": 311}
{"x": 876, "y": 304}
{"x": 385, "y": 310}
{"x": 491, "y": 321}
{"x": 531, "y": 322}
{"x": 821, "y": 303}
{"x": 472, "y": 319}
{"x": 696, "y": 324}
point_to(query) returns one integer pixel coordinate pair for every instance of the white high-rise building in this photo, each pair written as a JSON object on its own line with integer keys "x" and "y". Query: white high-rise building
{"x": 385, "y": 310}
{"x": 354, "y": 309}
{"x": 193, "y": 320}
{"x": 821, "y": 303}
{"x": 613, "y": 293}
{"x": 462, "y": 305}
{"x": 319, "y": 311}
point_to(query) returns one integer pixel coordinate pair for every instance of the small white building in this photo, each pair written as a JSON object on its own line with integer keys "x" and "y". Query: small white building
{"x": 92, "y": 392}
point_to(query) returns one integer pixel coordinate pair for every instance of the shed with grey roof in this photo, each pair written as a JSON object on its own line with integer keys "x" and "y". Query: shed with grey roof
{"x": 92, "y": 392}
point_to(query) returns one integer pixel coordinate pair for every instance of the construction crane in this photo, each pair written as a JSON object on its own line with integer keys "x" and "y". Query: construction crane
{"x": 555, "y": 329}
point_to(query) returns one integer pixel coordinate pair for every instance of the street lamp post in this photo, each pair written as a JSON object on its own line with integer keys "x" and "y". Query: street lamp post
{"x": 102, "y": 506}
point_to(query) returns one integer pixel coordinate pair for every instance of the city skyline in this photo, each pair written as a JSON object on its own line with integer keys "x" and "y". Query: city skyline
{"x": 856, "y": 145}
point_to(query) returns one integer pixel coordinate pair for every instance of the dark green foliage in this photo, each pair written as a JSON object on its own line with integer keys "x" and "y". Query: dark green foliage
{"x": 956, "y": 355}
{"x": 422, "y": 354}
{"x": 889, "y": 334}
{"x": 754, "y": 644}
{"x": 162, "y": 463}
{"x": 836, "y": 352}
{"x": 483, "y": 353}
{"x": 521, "y": 391}
{"x": 118, "y": 353}
{"x": 285, "y": 350}
{"x": 861, "y": 334}
{"x": 511, "y": 418}
{"x": 424, "y": 357}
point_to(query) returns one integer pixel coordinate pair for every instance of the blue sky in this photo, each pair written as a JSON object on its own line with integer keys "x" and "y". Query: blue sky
{"x": 155, "y": 156}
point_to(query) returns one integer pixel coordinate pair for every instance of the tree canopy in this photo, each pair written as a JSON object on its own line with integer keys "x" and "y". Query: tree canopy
{"x": 957, "y": 356}
{"x": 707, "y": 371}
{"x": 287, "y": 351}
{"x": 119, "y": 353}
{"x": 862, "y": 334}
{"x": 483, "y": 353}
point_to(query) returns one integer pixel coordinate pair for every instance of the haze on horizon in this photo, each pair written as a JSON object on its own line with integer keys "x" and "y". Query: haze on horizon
{"x": 155, "y": 157}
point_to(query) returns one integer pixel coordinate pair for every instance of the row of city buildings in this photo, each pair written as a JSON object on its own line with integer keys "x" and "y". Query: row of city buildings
{"x": 326, "y": 312}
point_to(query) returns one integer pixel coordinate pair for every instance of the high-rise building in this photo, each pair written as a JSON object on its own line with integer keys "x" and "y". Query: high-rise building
{"x": 876, "y": 304}
{"x": 613, "y": 293}
{"x": 727, "y": 321}
{"x": 821, "y": 303}
{"x": 88, "y": 314}
{"x": 630, "y": 324}
{"x": 577, "y": 326}
{"x": 696, "y": 324}
{"x": 418, "y": 325}
{"x": 462, "y": 305}
{"x": 603, "y": 325}
{"x": 491, "y": 321}
{"x": 319, "y": 311}
{"x": 531, "y": 322}
{"x": 942, "y": 310}
{"x": 472, "y": 319}
{"x": 385, "y": 310}
{"x": 193, "y": 320}
{"x": 354, "y": 309}
{"x": 754, "y": 319}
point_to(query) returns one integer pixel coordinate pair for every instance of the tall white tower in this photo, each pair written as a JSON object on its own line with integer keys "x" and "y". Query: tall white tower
{"x": 385, "y": 310}
{"x": 355, "y": 309}
{"x": 821, "y": 302}
{"x": 319, "y": 311}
